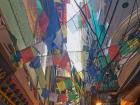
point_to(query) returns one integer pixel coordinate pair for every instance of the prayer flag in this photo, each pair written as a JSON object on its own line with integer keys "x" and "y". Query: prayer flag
{"x": 39, "y": 6}
{"x": 68, "y": 83}
{"x": 72, "y": 96}
{"x": 45, "y": 93}
{"x": 64, "y": 60}
{"x": 61, "y": 86}
{"x": 114, "y": 52}
{"x": 54, "y": 24}
{"x": 53, "y": 97}
{"x": 91, "y": 70}
{"x": 27, "y": 54}
{"x": 63, "y": 98}
{"x": 35, "y": 62}
{"x": 43, "y": 21}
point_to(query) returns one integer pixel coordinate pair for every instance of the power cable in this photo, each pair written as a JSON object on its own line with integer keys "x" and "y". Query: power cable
{"x": 91, "y": 29}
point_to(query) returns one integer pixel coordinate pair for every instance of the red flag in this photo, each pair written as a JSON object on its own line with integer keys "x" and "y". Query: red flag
{"x": 68, "y": 68}
{"x": 114, "y": 52}
{"x": 86, "y": 11}
{"x": 65, "y": 59}
{"x": 63, "y": 98}
{"x": 56, "y": 59}
{"x": 43, "y": 22}
{"x": 27, "y": 54}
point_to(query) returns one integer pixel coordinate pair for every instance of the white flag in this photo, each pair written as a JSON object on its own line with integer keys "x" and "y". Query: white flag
{"x": 53, "y": 97}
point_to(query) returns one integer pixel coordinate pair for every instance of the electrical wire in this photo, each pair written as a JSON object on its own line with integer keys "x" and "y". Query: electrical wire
{"x": 115, "y": 8}
{"x": 91, "y": 29}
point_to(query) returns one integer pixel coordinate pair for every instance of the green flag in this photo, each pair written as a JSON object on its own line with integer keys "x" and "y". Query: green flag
{"x": 68, "y": 83}
{"x": 72, "y": 95}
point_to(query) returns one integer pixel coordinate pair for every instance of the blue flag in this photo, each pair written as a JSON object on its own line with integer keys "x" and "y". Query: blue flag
{"x": 91, "y": 70}
{"x": 45, "y": 93}
{"x": 35, "y": 63}
{"x": 54, "y": 24}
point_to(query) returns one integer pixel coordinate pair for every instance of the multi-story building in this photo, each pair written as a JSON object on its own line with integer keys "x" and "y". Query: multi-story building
{"x": 14, "y": 82}
{"x": 121, "y": 22}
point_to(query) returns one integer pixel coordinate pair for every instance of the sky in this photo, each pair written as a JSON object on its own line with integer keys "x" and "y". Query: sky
{"x": 74, "y": 38}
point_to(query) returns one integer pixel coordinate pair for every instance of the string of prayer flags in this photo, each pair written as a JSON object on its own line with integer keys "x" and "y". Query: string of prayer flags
{"x": 53, "y": 26}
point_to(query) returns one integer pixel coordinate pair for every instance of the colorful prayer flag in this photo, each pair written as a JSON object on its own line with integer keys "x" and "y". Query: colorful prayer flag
{"x": 63, "y": 98}
{"x": 43, "y": 21}
{"x": 45, "y": 93}
{"x": 114, "y": 52}
{"x": 35, "y": 62}
{"x": 72, "y": 96}
{"x": 56, "y": 59}
{"x": 54, "y": 24}
{"x": 27, "y": 54}
{"x": 39, "y": 6}
{"x": 68, "y": 83}
{"x": 91, "y": 70}
{"x": 53, "y": 97}
{"x": 61, "y": 86}
{"x": 64, "y": 60}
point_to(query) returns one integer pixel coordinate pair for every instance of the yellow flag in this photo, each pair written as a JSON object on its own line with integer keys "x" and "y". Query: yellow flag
{"x": 61, "y": 86}
{"x": 134, "y": 43}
